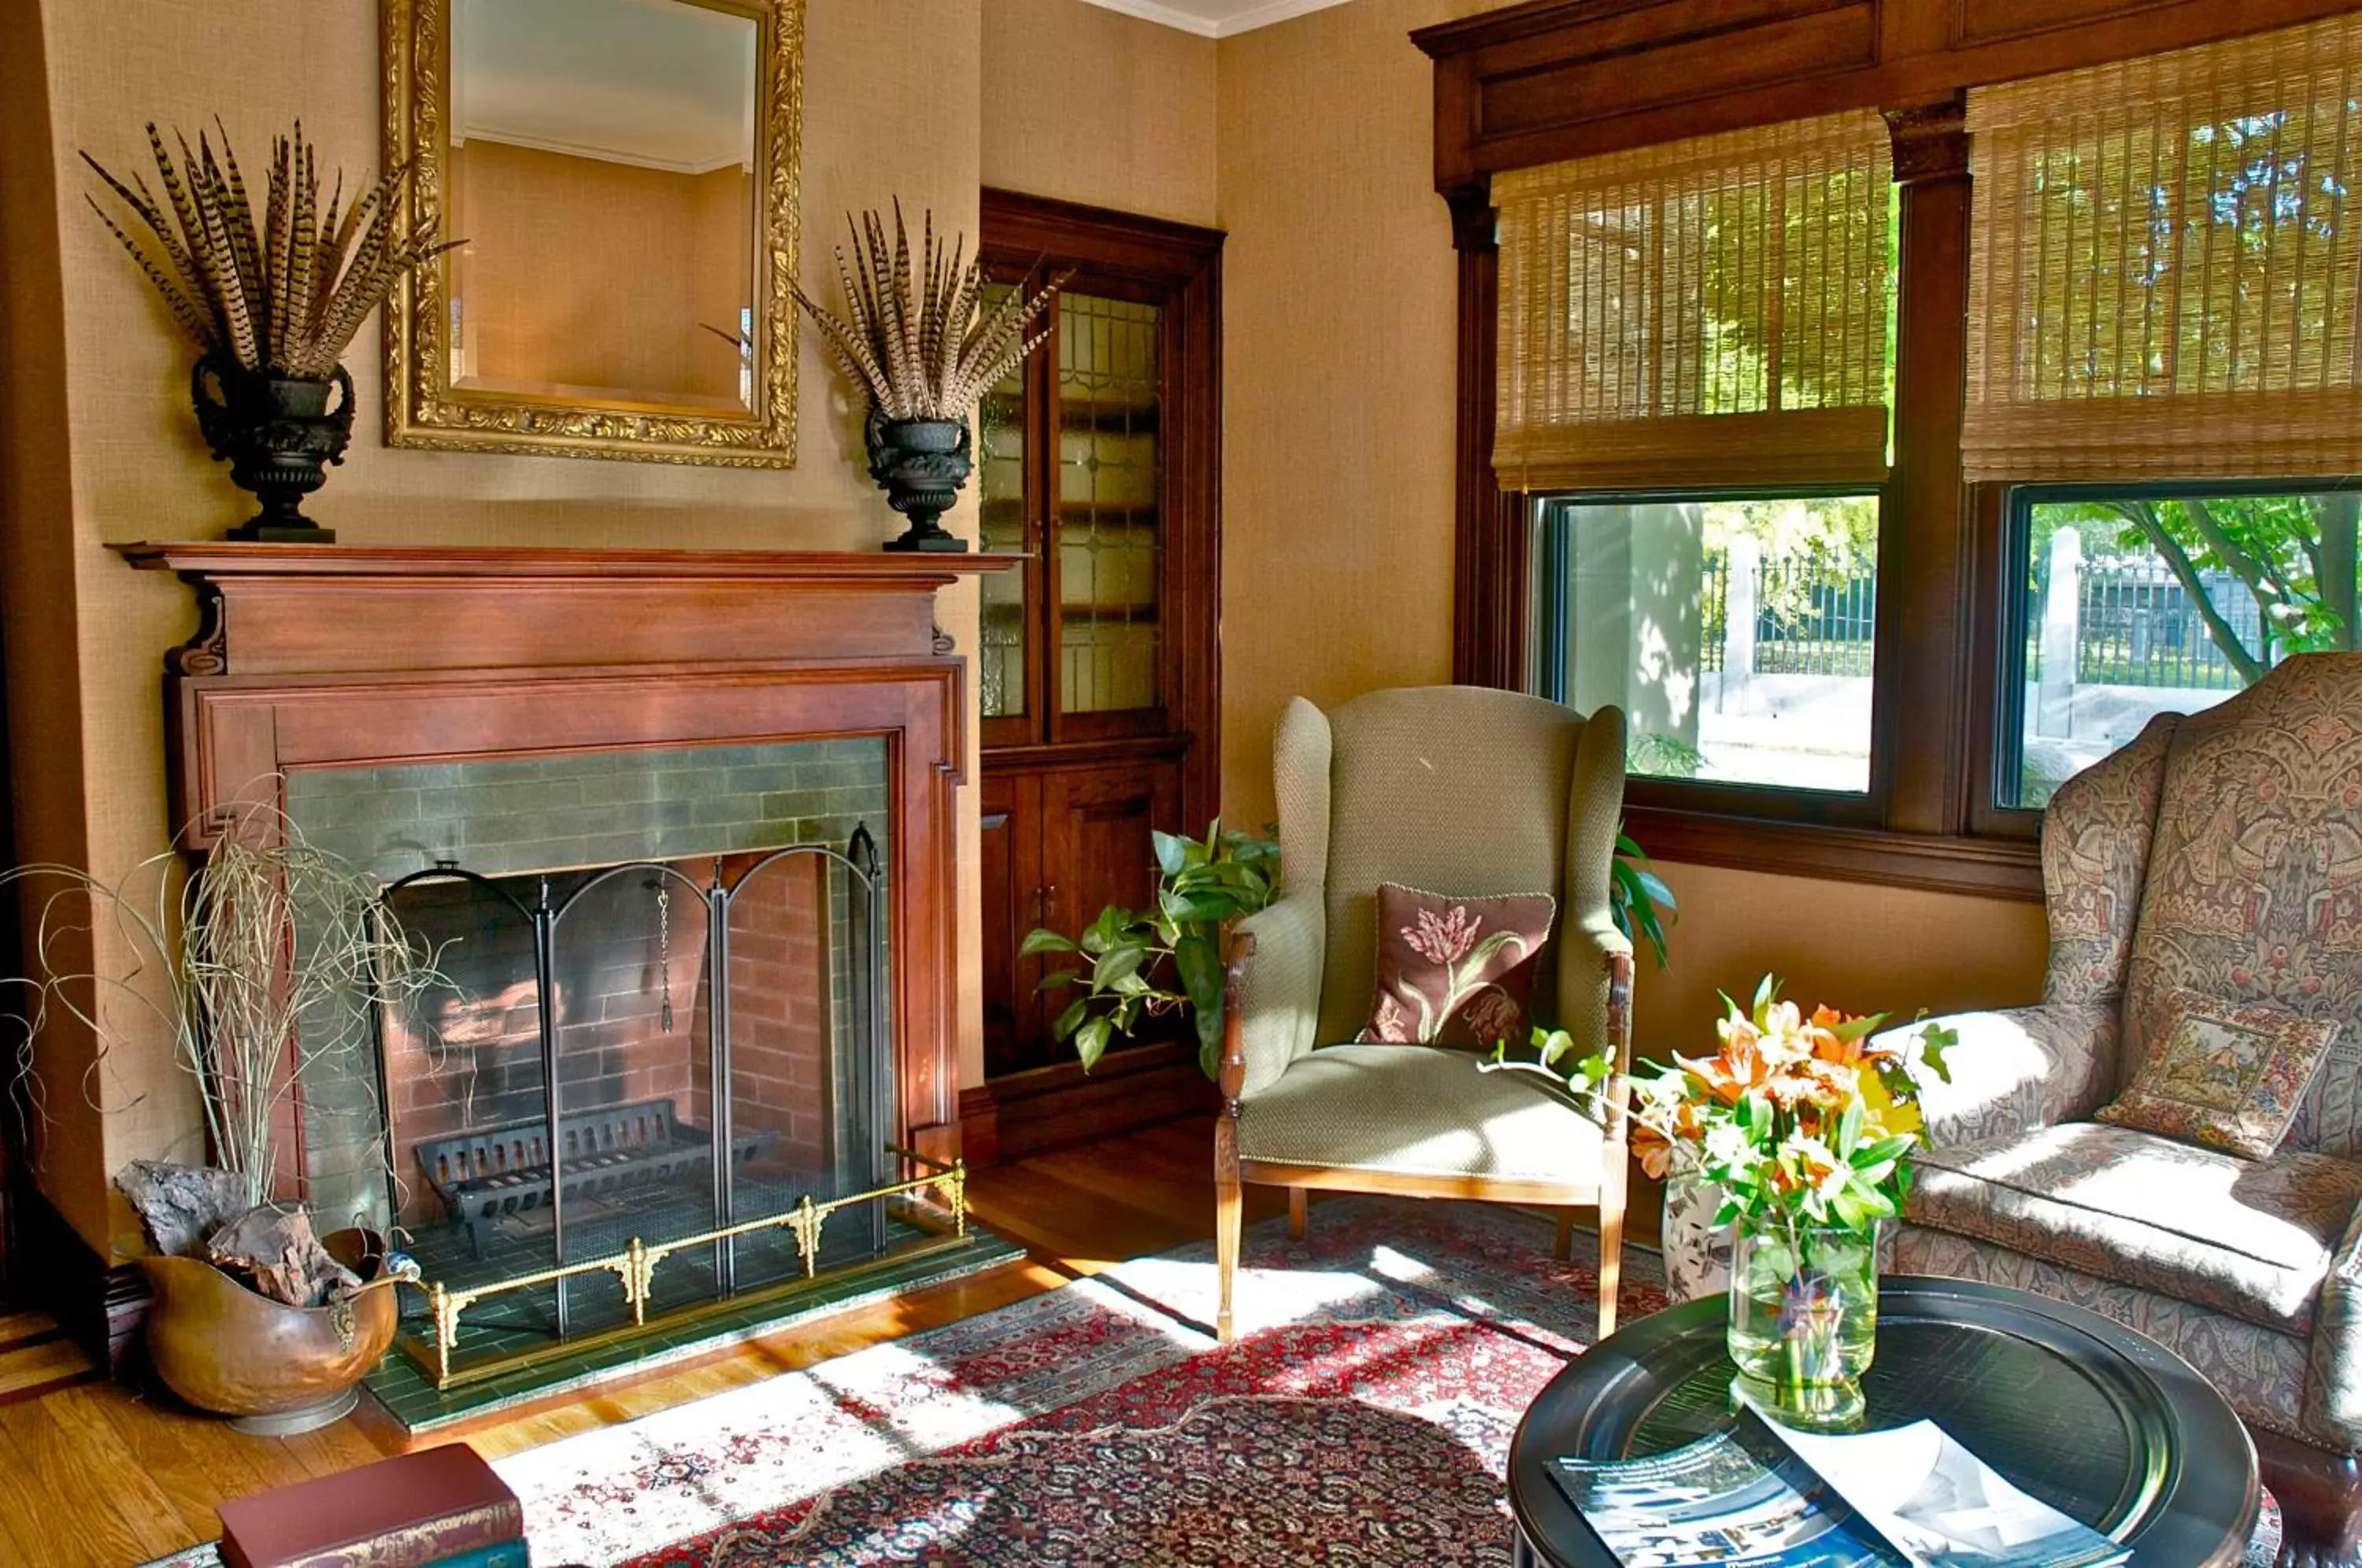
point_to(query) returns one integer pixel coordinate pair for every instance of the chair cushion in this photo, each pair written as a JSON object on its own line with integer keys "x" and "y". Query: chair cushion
{"x": 1457, "y": 971}
{"x": 2252, "y": 1238}
{"x": 2227, "y": 1075}
{"x": 1418, "y": 1110}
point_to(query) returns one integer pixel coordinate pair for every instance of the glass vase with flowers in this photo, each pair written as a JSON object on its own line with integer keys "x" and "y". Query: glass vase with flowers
{"x": 1805, "y": 1122}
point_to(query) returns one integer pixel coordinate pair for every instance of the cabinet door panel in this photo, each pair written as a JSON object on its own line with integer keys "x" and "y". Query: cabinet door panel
{"x": 1096, "y": 843}
{"x": 1010, "y": 813}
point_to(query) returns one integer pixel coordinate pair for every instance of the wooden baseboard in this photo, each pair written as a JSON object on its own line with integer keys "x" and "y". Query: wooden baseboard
{"x": 1049, "y": 1107}
{"x": 103, "y": 1305}
{"x": 979, "y": 1120}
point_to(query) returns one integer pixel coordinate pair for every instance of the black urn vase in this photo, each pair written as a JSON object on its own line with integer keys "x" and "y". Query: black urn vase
{"x": 279, "y": 434}
{"x": 921, "y": 463}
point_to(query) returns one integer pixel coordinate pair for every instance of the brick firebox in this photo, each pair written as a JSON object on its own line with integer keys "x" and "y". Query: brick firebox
{"x": 632, "y": 988}
{"x": 631, "y": 980}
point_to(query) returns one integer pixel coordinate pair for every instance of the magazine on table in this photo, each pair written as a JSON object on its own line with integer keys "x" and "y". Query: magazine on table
{"x": 1761, "y": 1496}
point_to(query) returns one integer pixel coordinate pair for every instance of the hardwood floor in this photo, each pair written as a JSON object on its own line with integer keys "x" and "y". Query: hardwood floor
{"x": 93, "y": 1473}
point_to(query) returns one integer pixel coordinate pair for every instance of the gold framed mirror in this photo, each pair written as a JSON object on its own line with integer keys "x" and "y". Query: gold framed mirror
{"x": 624, "y": 174}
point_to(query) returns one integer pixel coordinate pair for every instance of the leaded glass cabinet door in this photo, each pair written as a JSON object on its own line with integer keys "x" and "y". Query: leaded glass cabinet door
{"x": 1109, "y": 506}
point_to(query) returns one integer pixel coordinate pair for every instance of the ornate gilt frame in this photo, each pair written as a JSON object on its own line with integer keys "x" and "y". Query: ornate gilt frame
{"x": 421, "y": 409}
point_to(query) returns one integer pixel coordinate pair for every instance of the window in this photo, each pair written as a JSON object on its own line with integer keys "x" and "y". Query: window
{"x": 1734, "y": 632}
{"x": 1712, "y": 313}
{"x": 2163, "y": 289}
{"x": 1676, "y": 325}
{"x": 2133, "y": 603}
{"x": 2144, "y": 274}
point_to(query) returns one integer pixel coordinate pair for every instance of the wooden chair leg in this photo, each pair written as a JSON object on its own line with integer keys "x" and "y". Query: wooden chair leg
{"x": 1563, "y": 1248}
{"x": 1611, "y": 1239}
{"x": 1230, "y": 1206}
{"x": 1298, "y": 1207}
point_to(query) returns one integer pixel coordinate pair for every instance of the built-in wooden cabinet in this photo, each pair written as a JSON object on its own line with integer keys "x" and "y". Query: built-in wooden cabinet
{"x": 1099, "y": 459}
{"x": 1060, "y": 844}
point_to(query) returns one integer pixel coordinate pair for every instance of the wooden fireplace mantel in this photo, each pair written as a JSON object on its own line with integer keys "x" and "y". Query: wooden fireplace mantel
{"x": 331, "y": 609}
{"x": 342, "y": 656}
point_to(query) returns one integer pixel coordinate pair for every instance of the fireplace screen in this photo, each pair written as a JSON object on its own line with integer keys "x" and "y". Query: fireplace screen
{"x": 640, "y": 1085}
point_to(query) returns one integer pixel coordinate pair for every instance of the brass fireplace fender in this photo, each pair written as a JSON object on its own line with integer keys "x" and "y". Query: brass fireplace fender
{"x": 635, "y": 1267}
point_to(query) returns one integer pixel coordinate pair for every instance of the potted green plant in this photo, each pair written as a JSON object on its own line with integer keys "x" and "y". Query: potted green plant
{"x": 924, "y": 345}
{"x": 272, "y": 305}
{"x": 1165, "y": 961}
{"x": 264, "y": 955}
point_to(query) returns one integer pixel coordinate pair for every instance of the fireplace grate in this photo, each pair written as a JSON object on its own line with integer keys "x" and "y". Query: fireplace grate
{"x": 746, "y": 1164}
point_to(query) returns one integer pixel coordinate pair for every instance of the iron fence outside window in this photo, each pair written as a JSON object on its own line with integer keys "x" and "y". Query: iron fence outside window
{"x": 1814, "y": 614}
{"x": 2135, "y": 623}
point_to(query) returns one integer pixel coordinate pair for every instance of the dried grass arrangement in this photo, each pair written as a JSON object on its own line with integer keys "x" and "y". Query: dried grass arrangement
{"x": 282, "y": 297}
{"x": 922, "y": 342}
{"x": 271, "y": 953}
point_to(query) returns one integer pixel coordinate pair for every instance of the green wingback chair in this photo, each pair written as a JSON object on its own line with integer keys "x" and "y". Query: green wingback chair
{"x": 2221, "y": 852}
{"x": 1468, "y": 793}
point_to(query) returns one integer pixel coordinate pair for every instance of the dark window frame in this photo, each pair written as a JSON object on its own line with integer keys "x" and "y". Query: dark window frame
{"x": 1912, "y": 829}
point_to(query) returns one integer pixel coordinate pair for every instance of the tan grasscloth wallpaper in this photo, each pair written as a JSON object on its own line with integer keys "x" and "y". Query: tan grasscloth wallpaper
{"x": 1308, "y": 142}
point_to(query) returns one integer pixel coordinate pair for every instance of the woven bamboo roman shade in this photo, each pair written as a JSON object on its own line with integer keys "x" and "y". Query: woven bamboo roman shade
{"x": 1710, "y": 312}
{"x": 2165, "y": 265}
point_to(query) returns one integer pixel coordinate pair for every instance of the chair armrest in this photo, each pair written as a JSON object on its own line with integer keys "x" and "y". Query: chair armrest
{"x": 2333, "y": 1385}
{"x": 2019, "y": 1069}
{"x": 1610, "y": 1005}
{"x": 1273, "y": 995}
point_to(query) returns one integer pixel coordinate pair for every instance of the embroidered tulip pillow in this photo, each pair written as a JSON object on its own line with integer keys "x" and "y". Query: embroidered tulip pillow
{"x": 1457, "y": 971}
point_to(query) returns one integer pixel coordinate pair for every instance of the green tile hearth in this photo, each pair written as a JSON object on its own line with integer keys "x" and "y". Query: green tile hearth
{"x": 409, "y": 1394}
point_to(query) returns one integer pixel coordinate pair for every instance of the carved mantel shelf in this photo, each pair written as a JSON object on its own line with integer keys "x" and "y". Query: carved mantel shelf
{"x": 291, "y": 608}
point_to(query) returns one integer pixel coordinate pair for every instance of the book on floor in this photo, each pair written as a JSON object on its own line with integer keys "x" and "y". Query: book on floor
{"x": 1761, "y": 1496}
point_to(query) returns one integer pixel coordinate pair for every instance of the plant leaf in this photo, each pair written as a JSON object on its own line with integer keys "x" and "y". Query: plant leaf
{"x": 1091, "y": 1041}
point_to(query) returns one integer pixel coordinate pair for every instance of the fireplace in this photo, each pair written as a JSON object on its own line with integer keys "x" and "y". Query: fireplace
{"x": 676, "y": 828}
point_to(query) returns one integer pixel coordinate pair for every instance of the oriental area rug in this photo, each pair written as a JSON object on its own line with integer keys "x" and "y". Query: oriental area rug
{"x": 1362, "y": 1418}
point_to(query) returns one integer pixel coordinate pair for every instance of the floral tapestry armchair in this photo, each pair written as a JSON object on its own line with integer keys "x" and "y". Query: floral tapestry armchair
{"x": 2217, "y": 855}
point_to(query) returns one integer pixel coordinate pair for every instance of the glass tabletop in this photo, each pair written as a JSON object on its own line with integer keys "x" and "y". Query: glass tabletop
{"x": 2061, "y": 1429}
{"x": 2101, "y": 1423}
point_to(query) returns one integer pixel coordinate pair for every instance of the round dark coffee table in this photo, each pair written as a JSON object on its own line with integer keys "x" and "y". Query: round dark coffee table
{"x": 2099, "y": 1422}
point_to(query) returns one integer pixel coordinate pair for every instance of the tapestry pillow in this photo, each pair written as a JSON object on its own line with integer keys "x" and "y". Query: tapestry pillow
{"x": 1457, "y": 971}
{"x": 2224, "y": 1075}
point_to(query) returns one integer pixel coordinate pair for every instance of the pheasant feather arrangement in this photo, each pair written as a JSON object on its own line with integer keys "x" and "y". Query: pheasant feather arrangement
{"x": 921, "y": 341}
{"x": 283, "y": 296}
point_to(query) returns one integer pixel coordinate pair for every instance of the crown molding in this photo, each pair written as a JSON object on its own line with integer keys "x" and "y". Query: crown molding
{"x": 1185, "y": 20}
